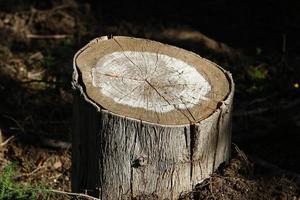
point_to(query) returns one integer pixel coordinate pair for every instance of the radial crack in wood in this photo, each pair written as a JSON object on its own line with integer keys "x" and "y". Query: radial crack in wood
{"x": 149, "y": 119}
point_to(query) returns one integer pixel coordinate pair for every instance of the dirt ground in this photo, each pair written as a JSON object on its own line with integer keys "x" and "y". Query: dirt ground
{"x": 39, "y": 39}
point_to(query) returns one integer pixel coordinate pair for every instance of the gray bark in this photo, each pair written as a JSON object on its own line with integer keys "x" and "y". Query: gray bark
{"x": 115, "y": 157}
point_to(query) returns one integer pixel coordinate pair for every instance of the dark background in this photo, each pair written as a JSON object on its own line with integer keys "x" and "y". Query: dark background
{"x": 35, "y": 74}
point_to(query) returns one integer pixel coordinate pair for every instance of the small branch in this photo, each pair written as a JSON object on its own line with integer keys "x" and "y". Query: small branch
{"x": 198, "y": 37}
{"x": 59, "y": 8}
{"x": 48, "y": 142}
{"x": 30, "y": 173}
{"x": 54, "y": 9}
{"x": 7, "y": 141}
{"x": 73, "y": 194}
{"x": 41, "y": 81}
{"x": 211, "y": 188}
{"x": 55, "y": 37}
{"x": 41, "y": 140}
{"x": 240, "y": 152}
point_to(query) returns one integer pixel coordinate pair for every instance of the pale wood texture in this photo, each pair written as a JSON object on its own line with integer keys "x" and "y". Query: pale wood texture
{"x": 120, "y": 157}
{"x": 90, "y": 56}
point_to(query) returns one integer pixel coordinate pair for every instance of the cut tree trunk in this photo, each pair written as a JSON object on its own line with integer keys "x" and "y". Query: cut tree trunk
{"x": 151, "y": 120}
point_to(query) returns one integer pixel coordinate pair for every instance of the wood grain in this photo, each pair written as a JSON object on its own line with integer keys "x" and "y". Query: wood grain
{"x": 117, "y": 155}
{"x": 86, "y": 63}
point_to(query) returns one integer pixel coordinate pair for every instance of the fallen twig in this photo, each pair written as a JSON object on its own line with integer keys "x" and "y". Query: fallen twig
{"x": 42, "y": 141}
{"x": 34, "y": 171}
{"x": 55, "y": 37}
{"x": 240, "y": 152}
{"x": 7, "y": 140}
{"x": 55, "y": 143}
{"x": 73, "y": 194}
{"x": 30, "y": 173}
{"x": 41, "y": 81}
{"x": 211, "y": 188}
{"x": 200, "y": 38}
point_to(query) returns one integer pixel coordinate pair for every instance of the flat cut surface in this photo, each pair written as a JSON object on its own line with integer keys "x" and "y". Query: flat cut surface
{"x": 150, "y": 81}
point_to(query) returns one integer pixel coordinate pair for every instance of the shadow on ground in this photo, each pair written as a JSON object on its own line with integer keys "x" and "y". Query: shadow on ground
{"x": 253, "y": 42}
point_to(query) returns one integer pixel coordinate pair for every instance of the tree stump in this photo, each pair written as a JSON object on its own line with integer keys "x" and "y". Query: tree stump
{"x": 151, "y": 120}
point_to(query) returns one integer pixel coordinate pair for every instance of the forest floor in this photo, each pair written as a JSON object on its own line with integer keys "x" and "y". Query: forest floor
{"x": 37, "y": 44}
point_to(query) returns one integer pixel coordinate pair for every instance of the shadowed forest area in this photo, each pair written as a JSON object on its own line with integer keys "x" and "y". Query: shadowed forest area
{"x": 257, "y": 42}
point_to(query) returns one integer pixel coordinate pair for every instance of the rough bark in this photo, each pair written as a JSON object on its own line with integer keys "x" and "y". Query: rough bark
{"x": 119, "y": 157}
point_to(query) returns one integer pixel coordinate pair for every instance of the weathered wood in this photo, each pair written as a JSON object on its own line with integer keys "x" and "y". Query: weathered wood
{"x": 122, "y": 150}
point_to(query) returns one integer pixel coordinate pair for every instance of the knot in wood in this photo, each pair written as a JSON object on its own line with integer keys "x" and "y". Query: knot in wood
{"x": 139, "y": 162}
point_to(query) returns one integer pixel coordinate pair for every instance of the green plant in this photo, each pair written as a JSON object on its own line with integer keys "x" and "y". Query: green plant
{"x": 258, "y": 51}
{"x": 10, "y": 189}
{"x": 258, "y": 73}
